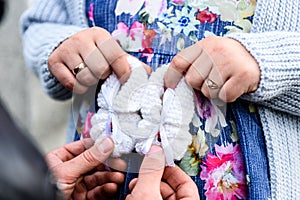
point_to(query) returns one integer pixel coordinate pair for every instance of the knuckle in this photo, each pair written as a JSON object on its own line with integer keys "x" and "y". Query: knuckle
{"x": 89, "y": 158}
{"x": 76, "y": 39}
{"x": 90, "y": 180}
{"x": 51, "y": 61}
{"x": 96, "y": 31}
{"x": 229, "y": 96}
{"x": 178, "y": 62}
{"x": 207, "y": 42}
{"x": 213, "y": 44}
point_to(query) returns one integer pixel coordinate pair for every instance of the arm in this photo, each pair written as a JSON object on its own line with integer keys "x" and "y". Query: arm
{"x": 92, "y": 49}
{"x": 257, "y": 70}
{"x": 44, "y": 26}
{"x": 277, "y": 54}
{"x": 274, "y": 44}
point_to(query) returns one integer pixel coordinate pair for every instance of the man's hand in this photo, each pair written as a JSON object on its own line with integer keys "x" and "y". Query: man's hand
{"x": 75, "y": 163}
{"x": 176, "y": 184}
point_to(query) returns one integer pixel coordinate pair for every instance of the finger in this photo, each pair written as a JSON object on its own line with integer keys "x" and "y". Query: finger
{"x": 87, "y": 142}
{"x": 117, "y": 164}
{"x": 167, "y": 192}
{"x": 80, "y": 191}
{"x": 100, "y": 178}
{"x": 153, "y": 162}
{"x": 86, "y": 77}
{"x": 90, "y": 158}
{"x": 115, "y": 57}
{"x": 79, "y": 88}
{"x": 132, "y": 184}
{"x": 69, "y": 151}
{"x": 232, "y": 89}
{"x": 213, "y": 83}
{"x": 181, "y": 183}
{"x": 199, "y": 70}
{"x": 129, "y": 197}
{"x": 69, "y": 54}
{"x": 180, "y": 64}
{"x": 147, "y": 68}
{"x": 174, "y": 181}
{"x": 150, "y": 174}
{"x": 62, "y": 73}
{"x": 104, "y": 192}
{"x": 134, "y": 63}
{"x": 97, "y": 63}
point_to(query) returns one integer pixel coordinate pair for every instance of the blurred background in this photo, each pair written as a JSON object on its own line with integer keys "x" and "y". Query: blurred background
{"x": 31, "y": 109}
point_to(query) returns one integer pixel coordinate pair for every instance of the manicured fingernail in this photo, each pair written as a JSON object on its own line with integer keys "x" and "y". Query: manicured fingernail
{"x": 105, "y": 145}
{"x": 172, "y": 77}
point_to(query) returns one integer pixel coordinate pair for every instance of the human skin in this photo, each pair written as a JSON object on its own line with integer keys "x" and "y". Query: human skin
{"x": 100, "y": 53}
{"x": 223, "y": 60}
{"x": 177, "y": 185}
{"x": 80, "y": 160}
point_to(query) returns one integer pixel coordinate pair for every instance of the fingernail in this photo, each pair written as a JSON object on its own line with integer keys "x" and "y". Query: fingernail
{"x": 154, "y": 149}
{"x": 125, "y": 77}
{"x": 155, "y": 152}
{"x": 172, "y": 77}
{"x": 105, "y": 145}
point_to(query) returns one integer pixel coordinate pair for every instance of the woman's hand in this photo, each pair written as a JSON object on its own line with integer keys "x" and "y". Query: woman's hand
{"x": 85, "y": 58}
{"x": 80, "y": 172}
{"x": 217, "y": 66}
{"x": 176, "y": 184}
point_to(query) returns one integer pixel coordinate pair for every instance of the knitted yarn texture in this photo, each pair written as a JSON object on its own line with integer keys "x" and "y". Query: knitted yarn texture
{"x": 142, "y": 112}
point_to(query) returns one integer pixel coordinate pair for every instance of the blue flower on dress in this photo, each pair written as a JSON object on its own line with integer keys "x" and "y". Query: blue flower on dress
{"x": 184, "y": 21}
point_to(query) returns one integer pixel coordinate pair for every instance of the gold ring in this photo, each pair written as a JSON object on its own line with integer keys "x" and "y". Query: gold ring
{"x": 78, "y": 68}
{"x": 211, "y": 84}
{"x": 78, "y": 181}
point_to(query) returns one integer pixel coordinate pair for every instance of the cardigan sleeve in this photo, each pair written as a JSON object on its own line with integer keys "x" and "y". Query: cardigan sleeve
{"x": 278, "y": 56}
{"x": 44, "y": 26}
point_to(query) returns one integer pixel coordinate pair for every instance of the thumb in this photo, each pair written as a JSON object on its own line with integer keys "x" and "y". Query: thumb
{"x": 90, "y": 158}
{"x": 151, "y": 170}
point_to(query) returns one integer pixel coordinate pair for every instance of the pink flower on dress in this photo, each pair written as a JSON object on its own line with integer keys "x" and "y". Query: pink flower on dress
{"x": 224, "y": 173}
{"x": 87, "y": 125}
{"x": 135, "y": 39}
{"x": 91, "y": 14}
{"x": 178, "y": 2}
{"x": 153, "y": 7}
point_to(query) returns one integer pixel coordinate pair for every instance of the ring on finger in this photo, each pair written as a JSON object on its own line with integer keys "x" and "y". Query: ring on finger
{"x": 78, "y": 68}
{"x": 211, "y": 84}
{"x": 79, "y": 180}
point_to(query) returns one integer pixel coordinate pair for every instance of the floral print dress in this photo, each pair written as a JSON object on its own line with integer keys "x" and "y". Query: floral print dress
{"x": 155, "y": 31}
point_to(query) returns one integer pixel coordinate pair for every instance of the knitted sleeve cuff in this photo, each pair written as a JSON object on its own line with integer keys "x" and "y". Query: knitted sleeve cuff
{"x": 277, "y": 54}
{"x": 38, "y": 45}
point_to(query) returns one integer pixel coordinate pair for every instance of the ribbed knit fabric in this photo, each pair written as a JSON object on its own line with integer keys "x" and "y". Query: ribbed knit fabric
{"x": 274, "y": 42}
{"x": 59, "y": 18}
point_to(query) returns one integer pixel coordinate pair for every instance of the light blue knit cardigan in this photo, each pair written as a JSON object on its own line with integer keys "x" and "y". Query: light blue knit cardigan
{"x": 274, "y": 42}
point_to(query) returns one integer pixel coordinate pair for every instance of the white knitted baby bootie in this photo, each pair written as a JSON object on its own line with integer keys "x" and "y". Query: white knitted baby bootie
{"x": 117, "y": 116}
{"x": 166, "y": 114}
{"x": 141, "y": 113}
